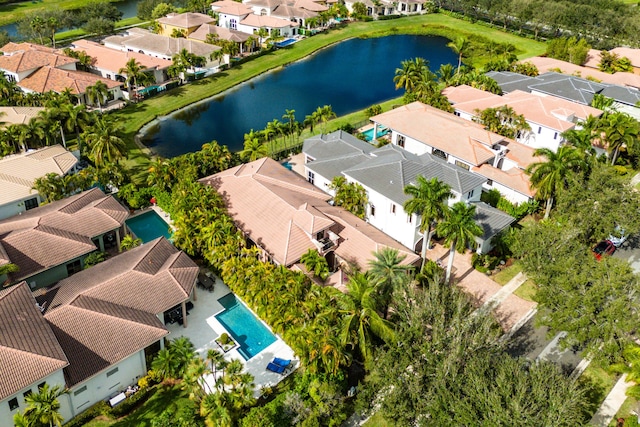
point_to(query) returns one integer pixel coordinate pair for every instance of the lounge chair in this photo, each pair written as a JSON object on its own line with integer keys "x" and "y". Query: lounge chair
{"x": 275, "y": 368}
{"x": 282, "y": 362}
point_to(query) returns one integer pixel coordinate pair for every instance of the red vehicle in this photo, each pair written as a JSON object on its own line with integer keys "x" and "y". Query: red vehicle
{"x": 605, "y": 247}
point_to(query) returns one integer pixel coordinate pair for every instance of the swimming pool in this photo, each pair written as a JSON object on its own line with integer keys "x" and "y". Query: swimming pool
{"x": 244, "y": 327}
{"x": 287, "y": 165}
{"x": 286, "y": 42}
{"x": 148, "y": 226}
{"x": 368, "y": 134}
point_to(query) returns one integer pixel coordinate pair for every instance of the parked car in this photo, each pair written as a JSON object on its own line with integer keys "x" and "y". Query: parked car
{"x": 604, "y": 247}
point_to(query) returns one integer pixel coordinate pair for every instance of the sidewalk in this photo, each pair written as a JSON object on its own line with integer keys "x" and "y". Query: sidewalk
{"x": 612, "y": 403}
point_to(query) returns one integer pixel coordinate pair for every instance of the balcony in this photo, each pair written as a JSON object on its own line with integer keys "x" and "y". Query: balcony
{"x": 323, "y": 245}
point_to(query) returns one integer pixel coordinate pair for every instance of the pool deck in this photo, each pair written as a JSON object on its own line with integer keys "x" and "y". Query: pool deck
{"x": 203, "y": 328}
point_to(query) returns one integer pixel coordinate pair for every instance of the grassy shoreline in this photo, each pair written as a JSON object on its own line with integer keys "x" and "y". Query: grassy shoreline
{"x": 136, "y": 116}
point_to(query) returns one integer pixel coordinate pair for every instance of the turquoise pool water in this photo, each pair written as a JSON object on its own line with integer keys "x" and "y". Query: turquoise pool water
{"x": 244, "y": 327}
{"x": 368, "y": 134}
{"x": 288, "y": 165}
{"x": 149, "y": 226}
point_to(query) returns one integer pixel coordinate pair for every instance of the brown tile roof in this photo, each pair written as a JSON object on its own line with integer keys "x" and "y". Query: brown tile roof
{"x": 57, "y": 80}
{"x": 549, "y": 111}
{"x": 139, "y": 39}
{"x": 454, "y": 135}
{"x": 282, "y": 212}
{"x": 113, "y": 60}
{"x": 593, "y": 59}
{"x": 521, "y": 154}
{"x": 18, "y": 115}
{"x": 223, "y": 33}
{"x": 29, "y": 350}
{"x": 267, "y": 22}
{"x": 549, "y": 64}
{"x": 20, "y": 57}
{"x": 55, "y": 233}
{"x": 151, "y": 278}
{"x": 514, "y": 178}
{"x": 96, "y": 334}
{"x": 230, "y": 7}
{"x": 18, "y": 172}
{"x": 186, "y": 20}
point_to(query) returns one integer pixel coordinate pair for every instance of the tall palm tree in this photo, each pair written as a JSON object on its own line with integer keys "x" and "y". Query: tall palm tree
{"x": 429, "y": 200}
{"x": 290, "y": 115}
{"x": 410, "y": 73}
{"x": 325, "y": 113}
{"x": 254, "y": 147}
{"x": 388, "y": 273}
{"x": 105, "y": 144}
{"x": 619, "y": 129}
{"x": 460, "y": 46}
{"x": 361, "y": 321}
{"x": 134, "y": 72}
{"x": 458, "y": 229}
{"x": 551, "y": 176}
{"x": 98, "y": 93}
{"x": 43, "y": 406}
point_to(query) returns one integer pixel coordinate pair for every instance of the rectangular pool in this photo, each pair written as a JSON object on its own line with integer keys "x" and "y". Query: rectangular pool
{"x": 149, "y": 226}
{"x": 244, "y": 327}
{"x": 368, "y": 134}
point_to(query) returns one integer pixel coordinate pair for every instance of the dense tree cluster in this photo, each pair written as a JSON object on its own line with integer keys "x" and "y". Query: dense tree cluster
{"x": 570, "y": 49}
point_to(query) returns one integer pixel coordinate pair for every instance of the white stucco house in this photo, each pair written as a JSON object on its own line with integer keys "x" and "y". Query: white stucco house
{"x": 241, "y": 17}
{"x": 385, "y": 172}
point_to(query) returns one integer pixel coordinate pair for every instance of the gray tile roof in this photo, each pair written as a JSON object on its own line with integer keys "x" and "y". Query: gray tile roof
{"x": 491, "y": 219}
{"x": 29, "y": 350}
{"x": 333, "y": 167}
{"x": 623, "y": 95}
{"x": 334, "y": 145}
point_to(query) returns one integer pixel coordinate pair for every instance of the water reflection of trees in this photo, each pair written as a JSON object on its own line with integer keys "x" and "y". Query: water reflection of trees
{"x": 191, "y": 114}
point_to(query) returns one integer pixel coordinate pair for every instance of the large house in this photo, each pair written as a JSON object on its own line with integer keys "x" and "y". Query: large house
{"x": 18, "y": 115}
{"x": 547, "y": 116}
{"x": 242, "y": 17}
{"x": 108, "y": 62}
{"x": 385, "y": 172}
{"x": 183, "y": 23}
{"x": 284, "y": 216}
{"x": 50, "y": 242}
{"x": 388, "y": 7}
{"x": 18, "y": 173}
{"x": 420, "y": 129}
{"x": 91, "y": 332}
{"x": 41, "y": 69}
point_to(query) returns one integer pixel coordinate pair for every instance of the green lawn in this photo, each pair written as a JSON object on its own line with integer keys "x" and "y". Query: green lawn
{"x": 599, "y": 383}
{"x": 14, "y": 12}
{"x": 503, "y": 277}
{"x": 631, "y": 420}
{"x": 377, "y": 420}
{"x": 527, "y": 290}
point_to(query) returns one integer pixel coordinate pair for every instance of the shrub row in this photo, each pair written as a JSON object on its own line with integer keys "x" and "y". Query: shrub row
{"x": 103, "y": 408}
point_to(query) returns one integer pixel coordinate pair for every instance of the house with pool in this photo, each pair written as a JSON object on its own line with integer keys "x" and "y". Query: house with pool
{"x": 419, "y": 128}
{"x": 241, "y": 17}
{"x": 388, "y": 7}
{"x": 50, "y": 242}
{"x": 18, "y": 172}
{"x": 95, "y": 330}
{"x": 285, "y": 216}
{"x": 385, "y": 172}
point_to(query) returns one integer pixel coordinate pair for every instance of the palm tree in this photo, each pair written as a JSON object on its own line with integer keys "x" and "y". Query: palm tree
{"x": 129, "y": 242}
{"x": 104, "y": 143}
{"x": 325, "y": 113}
{"x": 459, "y": 46}
{"x": 429, "y": 200}
{"x": 551, "y": 176}
{"x": 631, "y": 367}
{"x": 290, "y": 115}
{"x": 619, "y": 129}
{"x": 216, "y": 360}
{"x": 316, "y": 264}
{"x": 254, "y": 148}
{"x": 98, "y": 93}
{"x": 8, "y": 269}
{"x": 459, "y": 229}
{"x": 388, "y": 273}
{"x": 134, "y": 72}
{"x": 31, "y": 134}
{"x": 43, "y": 407}
{"x": 361, "y": 321}
{"x": 410, "y": 73}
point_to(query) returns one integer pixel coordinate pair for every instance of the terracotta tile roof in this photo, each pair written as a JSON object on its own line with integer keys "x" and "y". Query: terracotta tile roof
{"x": 114, "y": 60}
{"x": 521, "y": 154}
{"x": 20, "y": 57}
{"x": 57, "y": 80}
{"x": 223, "y": 33}
{"x": 267, "y": 22}
{"x": 230, "y": 7}
{"x": 29, "y": 350}
{"x": 514, "y": 178}
{"x": 152, "y": 278}
{"x": 186, "y": 20}
{"x": 549, "y": 64}
{"x": 593, "y": 59}
{"x": 454, "y": 135}
{"x": 288, "y": 12}
{"x": 96, "y": 334}
{"x": 55, "y": 233}
{"x": 549, "y": 111}
{"x": 18, "y": 115}
{"x": 18, "y": 172}
{"x": 282, "y": 212}
{"x": 138, "y": 39}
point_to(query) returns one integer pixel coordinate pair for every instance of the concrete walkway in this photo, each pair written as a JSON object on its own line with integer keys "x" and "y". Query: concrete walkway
{"x": 507, "y": 289}
{"x": 612, "y": 403}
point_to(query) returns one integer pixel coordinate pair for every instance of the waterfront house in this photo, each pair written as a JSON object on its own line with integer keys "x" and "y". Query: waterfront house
{"x": 385, "y": 172}
{"x": 182, "y": 23}
{"x": 50, "y": 242}
{"x": 18, "y": 172}
{"x": 241, "y": 17}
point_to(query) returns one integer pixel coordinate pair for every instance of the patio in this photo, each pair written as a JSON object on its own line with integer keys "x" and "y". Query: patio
{"x": 203, "y": 328}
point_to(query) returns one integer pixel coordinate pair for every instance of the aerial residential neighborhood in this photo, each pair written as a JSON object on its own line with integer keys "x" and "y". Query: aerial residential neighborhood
{"x": 453, "y": 241}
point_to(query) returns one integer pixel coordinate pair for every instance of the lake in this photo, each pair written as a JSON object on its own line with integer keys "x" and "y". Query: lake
{"x": 349, "y": 76}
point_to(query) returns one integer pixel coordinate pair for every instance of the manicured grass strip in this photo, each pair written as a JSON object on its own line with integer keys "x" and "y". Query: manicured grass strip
{"x": 599, "y": 383}
{"x": 14, "y": 12}
{"x": 503, "y": 277}
{"x": 527, "y": 290}
{"x": 630, "y": 420}
{"x": 378, "y": 420}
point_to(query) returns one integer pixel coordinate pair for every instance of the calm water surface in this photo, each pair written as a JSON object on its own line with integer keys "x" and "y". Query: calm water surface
{"x": 349, "y": 76}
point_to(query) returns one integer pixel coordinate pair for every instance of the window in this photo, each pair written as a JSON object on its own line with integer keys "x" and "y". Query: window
{"x": 372, "y": 210}
{"x": 80, "y": 390}
{"x": 470, "y": 194}
{"x": 456, "y": 113}
{"x": 73, "y": 268}
{"x": 400, "y": 141}
{"x": 41, "y": 385}
{"x": 233, "y": 24}
{"x": 31, "y": 203}
{"x": 13, "y": 404}
{"x": 439, "y": 153}
{"x": 539, "y": 130}
{"x": 319, "y": 235}
{"x": 112, "y": 372}
{"x": 409, "y": 218}
{"x": 26, "y": 393}
{"x": 555, "y": 135}
{"x": 393, "y": 208}
{"x": 462, "y": 165}
{"x": 490, "y": 182}
{"x": 311, "y": 177}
